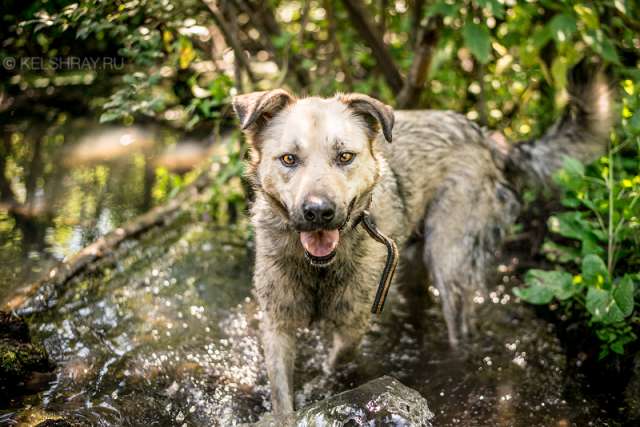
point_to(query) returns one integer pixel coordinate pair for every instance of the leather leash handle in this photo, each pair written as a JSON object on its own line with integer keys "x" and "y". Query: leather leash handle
{"x": 390, "y": 265}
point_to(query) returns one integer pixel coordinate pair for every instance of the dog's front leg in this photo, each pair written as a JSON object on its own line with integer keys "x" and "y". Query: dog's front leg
{"x": 279, "y": 353}
{"x": 345, "y": 343}
{"x": 347, "y": 335}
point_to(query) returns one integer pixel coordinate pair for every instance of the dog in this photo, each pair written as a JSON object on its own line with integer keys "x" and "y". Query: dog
{"x": 318, "y": 164}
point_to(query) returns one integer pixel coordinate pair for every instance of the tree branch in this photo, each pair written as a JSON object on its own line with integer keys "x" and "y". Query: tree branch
{"x": 367, "y": 29}
{"x": 416, "y": 17}
{"x": 263, "y": 19}
{"x": 383, "y": 16}
{"x": 333, "y": 37}
{"x": 230, "y": 37}
{"x": 229, "y": 12}
{"x": 426, "y": 43}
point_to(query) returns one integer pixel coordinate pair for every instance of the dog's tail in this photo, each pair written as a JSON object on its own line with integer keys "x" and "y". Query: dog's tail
{"x": 581, "y": 132}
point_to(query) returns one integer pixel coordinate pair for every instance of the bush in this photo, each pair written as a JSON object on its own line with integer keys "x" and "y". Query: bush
{"x": 596, "y": 241}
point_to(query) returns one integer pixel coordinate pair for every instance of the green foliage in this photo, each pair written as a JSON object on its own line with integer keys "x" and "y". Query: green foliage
{"x": 498, "y": 61}
{"x": 477, "y": 39}
{"x": 228, "y": 197}
{"x": 546, "y": 285}
{"x": 598, "y": 239}
{"x": 146, "y": 52}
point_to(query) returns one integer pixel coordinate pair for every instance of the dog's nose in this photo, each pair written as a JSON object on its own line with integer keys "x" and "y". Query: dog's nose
{"x": 318, "y": 210}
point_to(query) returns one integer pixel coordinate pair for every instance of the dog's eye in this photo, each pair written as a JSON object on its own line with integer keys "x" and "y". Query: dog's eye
{"x": 346, "y": 157}
{"x": 289, "y": 160}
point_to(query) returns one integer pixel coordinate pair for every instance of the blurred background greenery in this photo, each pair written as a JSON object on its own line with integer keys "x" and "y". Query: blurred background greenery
{"x": 109, "y": 108}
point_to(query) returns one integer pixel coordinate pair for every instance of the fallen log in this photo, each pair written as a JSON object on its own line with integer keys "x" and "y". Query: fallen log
{"x": 71, "y": 267}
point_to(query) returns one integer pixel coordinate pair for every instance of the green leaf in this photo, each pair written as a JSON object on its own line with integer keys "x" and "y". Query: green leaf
{"x": 110, "y": 115}
{"x": 573, "y": 166}
{"x": 623, "y": 295}
{"x": 574, "y": 226}
{"x": 560, "y": 253}
{"x": 604, "y": 352}
{"x": 570, "y": 177}
{"x": 494, "y": 6}
{"x": 606, "y": 335}
{"x": 541, "y": 35}
{"x": 618, "y": 347}
{"x": 600, "y": 304}
{"x": 587, "y": 15}
{"x": 611, "y": 306}
{"x": 634, "y": 122}
{"x": 443, "y": 8}
{"x": 543, "y": 286}
{"x": 562, "y": 27}
{"x": 567, "y": 224}
{"x": 478, "y": 40}
{"x": 591, "y": 247}
{"x": 571, "y": 202}
{"x": 534, "y": 295}
{"x": 594, "y": 271}
{"x": 608, "y": 50}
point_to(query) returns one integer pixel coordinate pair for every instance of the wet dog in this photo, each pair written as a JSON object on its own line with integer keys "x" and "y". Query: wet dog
{"x": 317, "y": 164}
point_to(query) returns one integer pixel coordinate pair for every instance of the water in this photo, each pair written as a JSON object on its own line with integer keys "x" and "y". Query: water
{"x": 68, "y": 181}
{"x": 165, "y": 332}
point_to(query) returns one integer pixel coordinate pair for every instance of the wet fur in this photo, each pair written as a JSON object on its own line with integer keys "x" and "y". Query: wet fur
{"x": 443, "y": 177}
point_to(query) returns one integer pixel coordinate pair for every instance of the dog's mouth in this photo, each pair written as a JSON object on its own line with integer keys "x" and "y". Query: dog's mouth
{"x": 320, "y": 245}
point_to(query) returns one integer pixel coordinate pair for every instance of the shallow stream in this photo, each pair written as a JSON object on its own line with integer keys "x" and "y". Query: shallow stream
{"x": 164, "y": 331}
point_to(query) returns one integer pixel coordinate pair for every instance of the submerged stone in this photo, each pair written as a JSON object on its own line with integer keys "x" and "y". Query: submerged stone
{"x": 383, "y": 401}
{"x": 21, "y": 361}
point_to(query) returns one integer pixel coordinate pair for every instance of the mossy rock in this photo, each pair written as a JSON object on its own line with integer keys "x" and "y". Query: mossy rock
{"x": 20, "y": 359}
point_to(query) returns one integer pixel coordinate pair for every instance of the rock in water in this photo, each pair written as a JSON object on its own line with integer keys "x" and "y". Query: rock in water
{"x": 384, "y": 401}
{"x": 24, "y": 365}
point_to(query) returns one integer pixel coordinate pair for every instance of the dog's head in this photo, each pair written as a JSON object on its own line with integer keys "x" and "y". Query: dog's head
{"x": 315, "y": 159}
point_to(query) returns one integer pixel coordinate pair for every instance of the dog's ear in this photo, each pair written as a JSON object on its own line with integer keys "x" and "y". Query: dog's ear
{"x": 256, "y": 108}
{"x": 375, "y": 113}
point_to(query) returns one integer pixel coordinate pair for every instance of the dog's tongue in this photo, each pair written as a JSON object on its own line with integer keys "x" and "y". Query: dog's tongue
{"x": 320, "y": 243}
